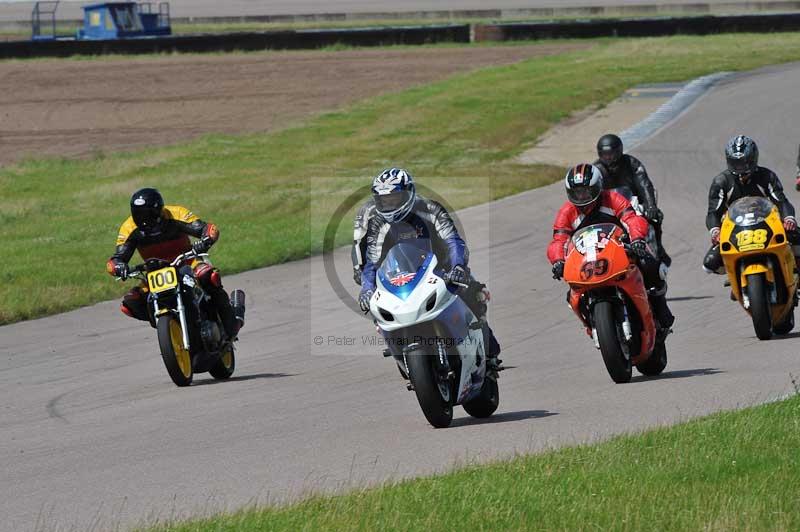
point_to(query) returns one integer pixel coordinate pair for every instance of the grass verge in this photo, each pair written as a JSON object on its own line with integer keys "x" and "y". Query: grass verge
{"x": 730, "y": 471}
{"x": 59, "y": 217}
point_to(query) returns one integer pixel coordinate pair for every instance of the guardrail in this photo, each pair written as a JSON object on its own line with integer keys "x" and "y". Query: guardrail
{"x": 410, "y": 35}
{"x": 273, "y": 40}
{"x": 649, "y": 27}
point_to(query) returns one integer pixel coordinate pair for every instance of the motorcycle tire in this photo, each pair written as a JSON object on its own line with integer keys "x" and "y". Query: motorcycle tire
{"x": 657, "y": 362}
{"x": 786, "y": 326}
{"x": 487, "y": 401}
{"x": 224, "y": 367}
{"x": 758, "y": 292}
{"x": 438, "y": 410}
{"x": 609, "y": 335}
{"x": 177, "y": 360}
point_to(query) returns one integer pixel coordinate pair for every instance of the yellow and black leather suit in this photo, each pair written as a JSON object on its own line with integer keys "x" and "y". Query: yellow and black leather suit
{"x": 170, "y": 240}
{"x": 179, "y": 224}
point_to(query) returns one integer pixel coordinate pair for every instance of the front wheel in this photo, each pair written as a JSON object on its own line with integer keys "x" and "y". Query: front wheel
{"x": 487, "y": 401}
{"x": 177, "y": 359}
{"x": 786, "y": 326}
{"x": 657, "y": 362}
{"x": 758, "y": 293}
{"x": 224, "y": 367}
{"x": 433, "y": 391}
{"x": 609, "y": 335}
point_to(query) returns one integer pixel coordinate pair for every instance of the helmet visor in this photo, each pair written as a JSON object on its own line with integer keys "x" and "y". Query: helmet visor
{"x": 583, "y": 195}
{"x": 147, "y": 217}
{"x": 740, "y": 167}
{"x": 609, "y": 157}
{"x": 388, "y": 203}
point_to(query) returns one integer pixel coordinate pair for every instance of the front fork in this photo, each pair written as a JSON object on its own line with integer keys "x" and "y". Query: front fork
{"x": 627, "y": 328}
{"x": 181, "y": 311}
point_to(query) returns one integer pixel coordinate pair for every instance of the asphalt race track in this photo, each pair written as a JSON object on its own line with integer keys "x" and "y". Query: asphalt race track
{"x": 93, "y": 433}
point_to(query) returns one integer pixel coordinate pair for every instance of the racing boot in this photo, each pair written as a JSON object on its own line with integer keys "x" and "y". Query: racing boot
{"x": 661, "y": 310}
{"x": 493, "y": 362}
{"x": 237, "y": 302}
{"x": 223, "y": 305}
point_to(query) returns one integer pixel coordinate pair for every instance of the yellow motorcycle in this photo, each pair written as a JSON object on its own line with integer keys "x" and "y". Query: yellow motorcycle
{"x": 760, "y": 264}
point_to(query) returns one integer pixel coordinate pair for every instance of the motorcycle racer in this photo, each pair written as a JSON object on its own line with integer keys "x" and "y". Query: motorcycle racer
{"x": 743, "y": 177}
{"x": 623, "y": 170}
{"x": 162, "y": 231}
{"x": 360, "y": 226}
{"x": 587, "y": 204}
{"x": 401, "y": 214}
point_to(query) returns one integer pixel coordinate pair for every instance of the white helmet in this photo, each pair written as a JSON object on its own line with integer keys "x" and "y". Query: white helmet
{"x": 394, "y": 194}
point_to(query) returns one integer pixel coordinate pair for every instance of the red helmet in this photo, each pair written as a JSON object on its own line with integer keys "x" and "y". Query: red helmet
{"x": 584, "y": 184}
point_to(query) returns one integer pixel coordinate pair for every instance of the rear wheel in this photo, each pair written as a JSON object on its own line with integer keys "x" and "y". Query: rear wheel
{"x": 487, "y": 401}
{"x": 224, "y": 367}
{"x": 758, "y": 293}
{"x": 609, "y": 335}
{"x": 432, "y": 390}
{"x": 177, "y": 359}
{"x": 657, "y": 361}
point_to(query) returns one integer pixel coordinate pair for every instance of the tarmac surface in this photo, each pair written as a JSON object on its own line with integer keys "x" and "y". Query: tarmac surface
{"x": 93, "y": 433}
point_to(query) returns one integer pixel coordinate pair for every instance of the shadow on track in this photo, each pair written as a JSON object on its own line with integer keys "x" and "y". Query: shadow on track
{"x": 241, "y": 378}
{"x": 502, "y": 417}
{"x": 687, "y": 298}
{"x": 679, "y": 374}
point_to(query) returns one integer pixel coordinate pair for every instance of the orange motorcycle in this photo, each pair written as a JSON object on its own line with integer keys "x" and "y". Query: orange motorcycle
{"x": 608, "y": 294}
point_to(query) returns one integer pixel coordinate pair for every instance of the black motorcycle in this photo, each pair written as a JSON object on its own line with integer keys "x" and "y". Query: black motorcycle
{"x": 191, "y": 336}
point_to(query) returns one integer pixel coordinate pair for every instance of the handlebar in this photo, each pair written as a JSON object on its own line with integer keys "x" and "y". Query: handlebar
{"x": 139, "y": 271}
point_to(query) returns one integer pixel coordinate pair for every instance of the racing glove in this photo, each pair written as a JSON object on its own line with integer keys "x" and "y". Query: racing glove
{"x": 654, "y": 214}
{"x": 121, "y": 270}
{"x": 558, "y": 270}
{"x": 714, "y": 236}
{"x": 789, "y": 224}
{"x": 202, "y": 245}
{"x": 639, "y": 248}
{"x": 364, "y": 298}
{"x": 458, "y": 275}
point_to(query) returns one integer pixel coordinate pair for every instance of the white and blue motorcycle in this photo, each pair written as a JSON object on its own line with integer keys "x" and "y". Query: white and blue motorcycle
{"x": 438, "y": 343}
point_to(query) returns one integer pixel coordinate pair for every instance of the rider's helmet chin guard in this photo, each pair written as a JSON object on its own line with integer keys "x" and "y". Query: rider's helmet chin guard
{"x": 610, "y": 150}
{"x": 147, "y": 210}
{"x": 741, "y": 156}
{"x": 394, "y": 194}
{"x": 584, "y": 184}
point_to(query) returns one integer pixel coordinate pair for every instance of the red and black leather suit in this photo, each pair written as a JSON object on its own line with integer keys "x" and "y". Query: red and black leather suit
{"x": 610, "y": 207}
{"x": 179, "y": 223}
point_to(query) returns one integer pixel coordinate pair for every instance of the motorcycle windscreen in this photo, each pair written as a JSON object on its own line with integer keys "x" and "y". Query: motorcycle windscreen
{"x": 592, "y": 238}
{"x": 750, "y": 210}
{"x": 404, "y": 267}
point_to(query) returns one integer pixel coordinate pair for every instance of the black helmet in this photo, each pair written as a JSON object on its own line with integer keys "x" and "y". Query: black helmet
{"x": 609, "y": 150}
{"x": 584, "y": 184}
{"x": 741, "y": 154}
{"x": 146, "y": 208}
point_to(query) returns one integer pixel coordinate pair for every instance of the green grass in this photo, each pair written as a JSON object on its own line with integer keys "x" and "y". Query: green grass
{"x": 730, "y": 471}
{"x": 59, "y": 218}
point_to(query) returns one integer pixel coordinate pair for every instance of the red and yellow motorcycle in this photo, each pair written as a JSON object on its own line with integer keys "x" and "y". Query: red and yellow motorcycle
{"x": 760, "y": 264}
{"x": 608, "y": 294}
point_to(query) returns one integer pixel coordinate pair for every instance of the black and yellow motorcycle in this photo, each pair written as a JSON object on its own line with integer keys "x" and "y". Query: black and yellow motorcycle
{"x": 760, "y": 264}
{"x": 190, "y": 332}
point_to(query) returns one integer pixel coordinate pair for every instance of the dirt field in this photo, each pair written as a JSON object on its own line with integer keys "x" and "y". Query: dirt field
{"x": 76, "y": 108}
